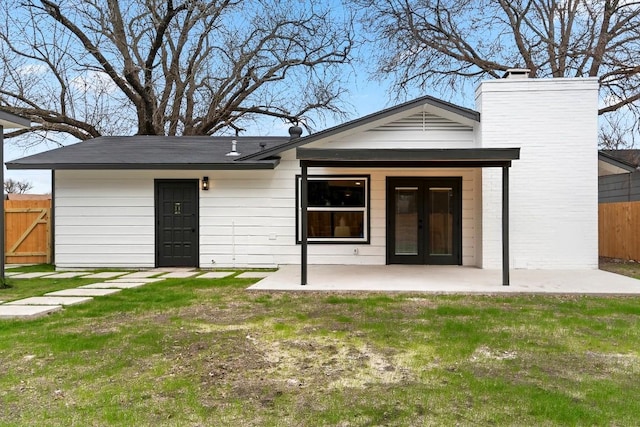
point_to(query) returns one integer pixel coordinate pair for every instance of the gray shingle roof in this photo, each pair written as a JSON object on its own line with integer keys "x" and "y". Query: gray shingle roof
{"x": 153, "y": 152}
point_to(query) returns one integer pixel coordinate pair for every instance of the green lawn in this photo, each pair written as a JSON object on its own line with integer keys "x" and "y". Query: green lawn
{"x": 207, "y": 352}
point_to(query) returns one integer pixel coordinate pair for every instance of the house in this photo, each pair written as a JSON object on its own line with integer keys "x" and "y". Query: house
{"x": 618, "y": 176}
{"x": 511, "y": 184}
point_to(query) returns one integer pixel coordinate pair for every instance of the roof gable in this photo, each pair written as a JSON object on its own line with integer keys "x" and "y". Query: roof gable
{"x": 433, "y": 107}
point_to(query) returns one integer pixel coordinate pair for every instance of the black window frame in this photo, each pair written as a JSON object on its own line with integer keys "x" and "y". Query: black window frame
{"x": 365, "y": 240}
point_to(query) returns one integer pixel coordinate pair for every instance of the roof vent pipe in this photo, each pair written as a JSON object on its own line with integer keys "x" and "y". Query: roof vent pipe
{"x": 234, "y": 149}
{"x": 295, "y": 132}
{"x": 516, "y": 73}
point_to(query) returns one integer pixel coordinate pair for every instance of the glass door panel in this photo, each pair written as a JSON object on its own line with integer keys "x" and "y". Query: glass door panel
{"x": 406, "y": 221}
{"x": 424, "y": 220}
{"x": 440, "y": 221}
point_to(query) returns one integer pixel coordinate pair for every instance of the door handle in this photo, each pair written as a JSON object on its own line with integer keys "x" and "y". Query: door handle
{"x": 420, "y": 224}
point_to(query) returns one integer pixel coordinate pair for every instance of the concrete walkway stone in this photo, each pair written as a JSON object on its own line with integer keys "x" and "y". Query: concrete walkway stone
{"x": 50, "y": 301}
{"x": 105, "y": 275}
{"x": 31, "y": 275}
{"x": 26, "y": 311}
{"x": 254, "y": 274}
{"x": 215, "y": 275}
{"x": 66, "y": 275}
{"x": 132, "y": 280}
{"x": 142, "y": 274}
{"x": 179, "y": 275}
{"x": 78, "y": 292}
{"x": 109, "y": 285}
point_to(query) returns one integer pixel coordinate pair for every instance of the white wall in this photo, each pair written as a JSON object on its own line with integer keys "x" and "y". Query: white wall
{"x": 104, "y": 218}
{"x": 247, "y": 218}
{"x": 554, "y": 188}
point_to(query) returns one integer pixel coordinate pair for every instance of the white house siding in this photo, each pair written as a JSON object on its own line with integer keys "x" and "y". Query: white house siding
{"x": 247, "y": 218}
{"x": 553, "y": 187}
{"x": 104, "y": 219}
{"x": 373, "y": 253}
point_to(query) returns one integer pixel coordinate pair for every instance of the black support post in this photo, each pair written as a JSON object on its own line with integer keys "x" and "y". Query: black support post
{"x": 303, "y": 222}
{"x": 505, "y": 225}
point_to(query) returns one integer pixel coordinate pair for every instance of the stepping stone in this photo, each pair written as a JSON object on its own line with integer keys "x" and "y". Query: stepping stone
{"x": 142, "y": 274}
{"x": 11, "y": 273}
{"x": 77, "y": 292}
{"x": 179, "y": 275}
{"x": 26, "y": 311}
{"x": 30, "y": 275}
{"x": 108, "y": 285}
{"x": 132, "y": 280}
{"x": 105, "y": 275}
{"x": 50, "y": 301}
{"x": 66, "y": 275}
{"x": 215, "y": 275}
{"x": 254, "y": 274}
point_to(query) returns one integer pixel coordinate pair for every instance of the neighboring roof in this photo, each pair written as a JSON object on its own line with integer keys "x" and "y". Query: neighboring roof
{"x": 153, "y": 152}
{"x": 471, "y": 157}
{"x": 9, "y": 120}
{"x": 613, "y": 162}
{"x": 630, "y": 156}
{"x": 464, "y": 113}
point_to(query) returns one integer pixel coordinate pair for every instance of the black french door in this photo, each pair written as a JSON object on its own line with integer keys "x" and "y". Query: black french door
{"x": 424, "y": 220}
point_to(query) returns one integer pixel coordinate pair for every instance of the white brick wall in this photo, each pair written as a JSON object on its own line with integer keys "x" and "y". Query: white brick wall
{"x": 553, "y": 187}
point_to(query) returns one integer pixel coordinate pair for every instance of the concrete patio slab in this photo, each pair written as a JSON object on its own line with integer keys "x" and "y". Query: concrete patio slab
{"x": 178, "y": 275}
{"x": 255, "y": 274}
{"x": 142, "y": 274}
{"x": 83, "y": 292}
{"x": 66, "y": 275}
{"x": 105, "y": 275}
{"x": 215, "y": 275}
{"x": 26, "y": 311}
{"x": 448, "y": 279}
{"x": 107, "y": 285}
{"x": 50, "y": 301}
{"x": 30, "y": 275}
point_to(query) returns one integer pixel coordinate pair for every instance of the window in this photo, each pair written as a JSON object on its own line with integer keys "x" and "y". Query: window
{"x": 338, "y": 209}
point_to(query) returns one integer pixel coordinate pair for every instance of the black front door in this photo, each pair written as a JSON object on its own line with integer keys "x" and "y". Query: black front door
{"x": 424, "y": 221}
{"x": 176, "y": 223}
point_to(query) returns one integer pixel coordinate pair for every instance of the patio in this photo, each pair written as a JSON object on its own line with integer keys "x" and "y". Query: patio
{"x": 447, "y": 279}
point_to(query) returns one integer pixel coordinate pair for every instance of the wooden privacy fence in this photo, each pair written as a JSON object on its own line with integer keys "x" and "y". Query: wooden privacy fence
{"x": 619, "y": 230}
{"x": 27, "y": 231}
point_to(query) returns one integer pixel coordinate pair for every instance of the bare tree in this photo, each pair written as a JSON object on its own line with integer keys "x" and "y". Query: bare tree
{"x": 169, "y": 67}
{"x": 445, "y": 44}
{"x": 13, "y": 186}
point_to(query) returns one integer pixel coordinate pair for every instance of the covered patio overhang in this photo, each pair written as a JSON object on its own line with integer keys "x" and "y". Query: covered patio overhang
{"x": 406, "y": 158}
